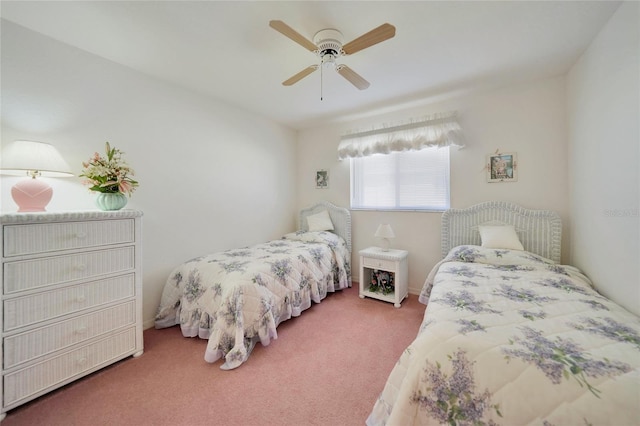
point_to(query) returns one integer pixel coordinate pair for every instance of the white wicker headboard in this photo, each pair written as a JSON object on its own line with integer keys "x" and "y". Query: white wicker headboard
{"x": 340, "y": 217}
{"x": 540, "y": 231}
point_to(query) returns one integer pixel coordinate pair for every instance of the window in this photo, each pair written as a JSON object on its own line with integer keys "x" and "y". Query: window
{"x": 403, "y": 166}
{"x": 405, "y": 180}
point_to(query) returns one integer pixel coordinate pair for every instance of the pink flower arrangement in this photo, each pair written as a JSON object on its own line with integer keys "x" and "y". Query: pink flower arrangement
{"x": 110, "y": 174}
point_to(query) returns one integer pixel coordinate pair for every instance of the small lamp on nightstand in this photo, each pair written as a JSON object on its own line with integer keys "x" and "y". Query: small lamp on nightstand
{"x": 33, "y": 159}
{"x": 385, "y": 232}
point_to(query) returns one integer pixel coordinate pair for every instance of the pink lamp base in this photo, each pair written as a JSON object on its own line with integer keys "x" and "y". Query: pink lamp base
{"x": 31, "y": 195}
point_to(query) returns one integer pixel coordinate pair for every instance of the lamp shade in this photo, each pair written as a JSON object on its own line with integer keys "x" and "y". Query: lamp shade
{"x": 24, "y": 157}
{"x": 385, "y": 231}
{"x": 33, "y": 159}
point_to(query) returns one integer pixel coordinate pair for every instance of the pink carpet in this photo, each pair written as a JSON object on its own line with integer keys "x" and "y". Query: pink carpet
{"x": 327, "y": 367}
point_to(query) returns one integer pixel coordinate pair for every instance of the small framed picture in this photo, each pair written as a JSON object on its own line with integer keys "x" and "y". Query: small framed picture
{"x": 322, "y": 179}
{"x": 502, "y": 167}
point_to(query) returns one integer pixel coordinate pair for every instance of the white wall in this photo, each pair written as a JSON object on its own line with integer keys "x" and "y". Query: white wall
{"x": 211, "y": 176}
{"x": 528, "y": 119}
{"x": 604, "y": 145}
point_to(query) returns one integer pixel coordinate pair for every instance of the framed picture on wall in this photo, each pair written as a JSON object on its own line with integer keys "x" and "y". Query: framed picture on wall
{"x": 322, "y": 179}
{"x": 502, "y": 167}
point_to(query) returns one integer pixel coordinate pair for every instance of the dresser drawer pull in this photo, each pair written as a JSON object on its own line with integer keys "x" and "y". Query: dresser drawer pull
{"x": 80, "y": 267}
{"x": 80, "y": 299}
{"x": 81, "y": 235}
{"x": 81, "y": 361}
{"x": 81, "y": 330}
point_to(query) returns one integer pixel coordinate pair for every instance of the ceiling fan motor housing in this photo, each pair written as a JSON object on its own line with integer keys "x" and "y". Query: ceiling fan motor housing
{"x": 329, "y": 41}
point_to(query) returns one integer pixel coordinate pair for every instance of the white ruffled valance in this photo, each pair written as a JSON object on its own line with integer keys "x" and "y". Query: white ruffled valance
{"x": 437, "y": 130}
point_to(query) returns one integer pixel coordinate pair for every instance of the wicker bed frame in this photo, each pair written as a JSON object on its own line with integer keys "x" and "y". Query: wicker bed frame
{"x": 540, "y": 231}
{"x": 340, "y": 217}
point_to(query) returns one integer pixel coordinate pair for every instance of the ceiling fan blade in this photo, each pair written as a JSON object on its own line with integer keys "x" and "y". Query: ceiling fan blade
{"x": 302, "y": 74}
{"x": 353, "y": 77}
{"x": 375, "y": 36}
{"x": 287, "y": 31}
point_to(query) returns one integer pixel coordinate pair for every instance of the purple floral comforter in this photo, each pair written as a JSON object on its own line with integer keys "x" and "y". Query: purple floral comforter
{"x": 510, "y": 338}
{"x": 236, "y": 298}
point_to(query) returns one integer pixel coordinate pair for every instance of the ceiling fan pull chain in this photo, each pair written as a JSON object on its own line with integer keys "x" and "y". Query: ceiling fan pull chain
{"x": 321, "y": 80}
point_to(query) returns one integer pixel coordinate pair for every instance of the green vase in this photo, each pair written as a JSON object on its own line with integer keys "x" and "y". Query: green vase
{"x": 111, "y": 200}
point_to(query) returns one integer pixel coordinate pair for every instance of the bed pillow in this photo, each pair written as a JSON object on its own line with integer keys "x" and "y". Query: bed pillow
{"x": 320, "y": 222}
{"x": 500, "y": 237}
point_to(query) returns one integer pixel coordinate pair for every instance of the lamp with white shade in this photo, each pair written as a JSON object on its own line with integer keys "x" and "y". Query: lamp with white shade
{"x": 385, "y": 232}
{"x": 33, "y": 159}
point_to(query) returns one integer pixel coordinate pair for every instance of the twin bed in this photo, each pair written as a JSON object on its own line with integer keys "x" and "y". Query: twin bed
{"x": 238, "y": 297}
{"x": 512, "y": 337}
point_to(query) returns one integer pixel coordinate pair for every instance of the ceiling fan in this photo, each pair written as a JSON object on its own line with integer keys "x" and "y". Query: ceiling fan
{"x": 328, "y": 46}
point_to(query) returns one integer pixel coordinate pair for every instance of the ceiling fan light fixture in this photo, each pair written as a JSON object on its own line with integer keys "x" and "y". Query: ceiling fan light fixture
{"x": 329, "y": 61}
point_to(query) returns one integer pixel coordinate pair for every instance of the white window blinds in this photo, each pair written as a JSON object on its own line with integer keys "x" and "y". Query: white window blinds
{"x": 411, "y": 180}
{"x": 440, "y": 130}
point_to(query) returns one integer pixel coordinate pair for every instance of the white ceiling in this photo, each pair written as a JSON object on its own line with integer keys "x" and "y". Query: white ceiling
{"x": 227, "y": 49}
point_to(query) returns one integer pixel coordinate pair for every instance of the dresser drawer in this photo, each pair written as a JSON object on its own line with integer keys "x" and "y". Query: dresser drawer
{"x": 46, "y": 237}
{"x": 41, "y": 272}
{"x": 27, "y": 346}
{"x": 25, "y": 384}
{"x": 385, "y": 265}
{"x": 34, "y": 308}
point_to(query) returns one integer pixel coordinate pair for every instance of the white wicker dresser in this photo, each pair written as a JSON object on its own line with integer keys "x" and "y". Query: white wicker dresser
{"x": 71, "y": 298}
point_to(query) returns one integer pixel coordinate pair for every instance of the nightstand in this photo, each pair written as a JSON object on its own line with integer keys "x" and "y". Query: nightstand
{"x": 384, "y": 274}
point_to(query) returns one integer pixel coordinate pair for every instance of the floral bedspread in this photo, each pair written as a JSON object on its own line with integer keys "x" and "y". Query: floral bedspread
{"x": 237, "y": 297}
{"x": 510, "y": 338}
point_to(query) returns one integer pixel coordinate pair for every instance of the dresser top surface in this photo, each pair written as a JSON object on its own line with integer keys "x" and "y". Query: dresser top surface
{"x": 43, "y": 217}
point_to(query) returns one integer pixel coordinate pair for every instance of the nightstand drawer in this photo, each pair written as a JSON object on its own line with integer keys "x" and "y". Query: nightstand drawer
{"x": 387, "y": 265}
{"x": 46, "y": 237}
{"x": 46, "y": 271}
{"x": 46, "y": 305}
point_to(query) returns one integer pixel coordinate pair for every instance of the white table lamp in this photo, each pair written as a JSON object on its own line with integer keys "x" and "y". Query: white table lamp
{"x": 33, "y": 159}
{"x": 385, "y": 232}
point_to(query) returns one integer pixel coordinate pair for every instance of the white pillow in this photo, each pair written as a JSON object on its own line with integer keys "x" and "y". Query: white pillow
{"x": 320, "y": 222}
{"x": 500, "y": 237}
